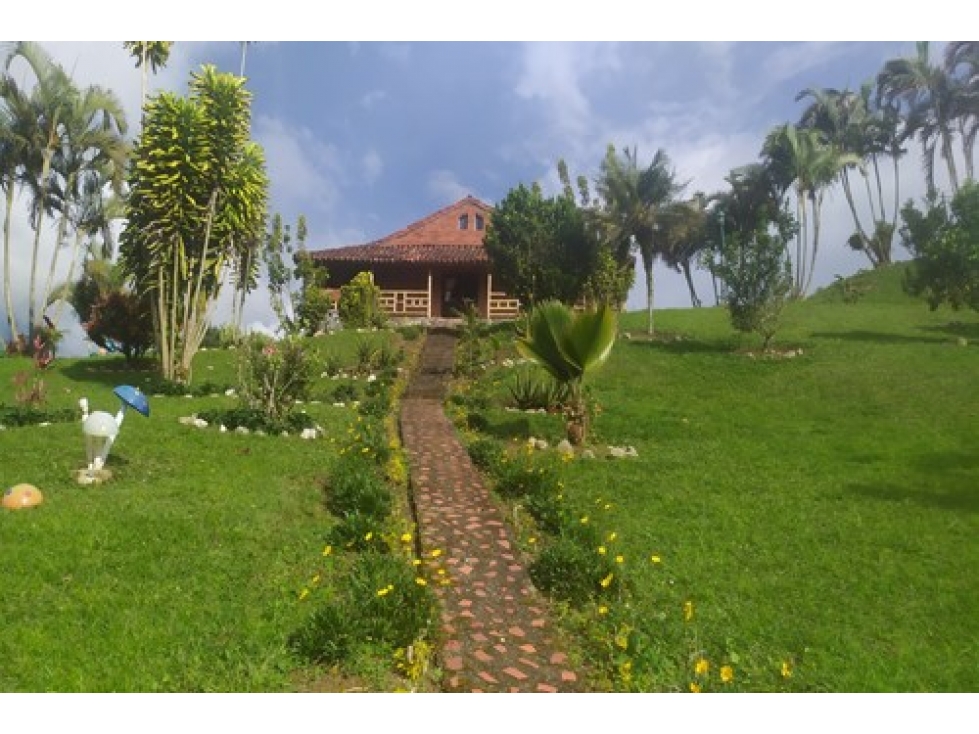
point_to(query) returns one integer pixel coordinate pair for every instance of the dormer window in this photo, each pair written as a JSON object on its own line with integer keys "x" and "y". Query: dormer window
{"x": 479, "y": 221}
{"x": 463, "y": 221}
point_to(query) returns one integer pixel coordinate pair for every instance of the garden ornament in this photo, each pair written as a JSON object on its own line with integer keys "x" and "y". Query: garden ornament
{"x": 101, "y": 428}
{"x": 22, "y": 495}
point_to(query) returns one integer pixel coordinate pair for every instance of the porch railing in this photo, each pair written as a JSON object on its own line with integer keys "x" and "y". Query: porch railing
{"x": 502, "y": 306}
{"x": 405, "y": 303}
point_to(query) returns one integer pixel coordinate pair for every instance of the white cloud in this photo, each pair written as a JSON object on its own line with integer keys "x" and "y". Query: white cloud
{"x": 554, "y": 75}
{"x": 372, "y": 98}
{"x": 373, "y": 165}
{"x": 305, "y": 171}
{"x": 445, "y": 188}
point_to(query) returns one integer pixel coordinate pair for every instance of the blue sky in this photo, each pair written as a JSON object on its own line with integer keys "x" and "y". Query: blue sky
{"x": 366, "y": 137}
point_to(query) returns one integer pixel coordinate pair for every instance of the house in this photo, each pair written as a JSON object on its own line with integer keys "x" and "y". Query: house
{"x": 430, "y": 269}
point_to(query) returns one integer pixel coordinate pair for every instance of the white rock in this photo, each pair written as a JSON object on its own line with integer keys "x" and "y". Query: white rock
{"x": 187, "y": 420}
{"x": 565, "y": 447}
{"x": 616, "y": 452}
{"x": 259, "y": 432}
{"x": 541, "y": 444}
{"x": 242, "y": 430}
{"x": 587, "y": 454}
{"x": 223, "y": 428}
{"x": 200, "y": 423}
{"x": 230, "y": 392}
{"x": 339, "y": 405}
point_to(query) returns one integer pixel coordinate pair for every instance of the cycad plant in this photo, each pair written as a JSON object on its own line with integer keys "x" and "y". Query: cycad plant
{"x": 569, "y": 346}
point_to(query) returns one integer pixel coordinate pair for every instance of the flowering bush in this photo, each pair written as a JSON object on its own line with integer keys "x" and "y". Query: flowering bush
{"x": 273, "y": 375}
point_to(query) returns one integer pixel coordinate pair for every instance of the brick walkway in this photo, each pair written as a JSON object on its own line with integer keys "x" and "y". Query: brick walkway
{"x": 496, "y": 636}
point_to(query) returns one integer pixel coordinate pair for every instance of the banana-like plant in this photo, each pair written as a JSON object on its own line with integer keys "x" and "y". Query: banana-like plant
{"x": 569, "y": 346}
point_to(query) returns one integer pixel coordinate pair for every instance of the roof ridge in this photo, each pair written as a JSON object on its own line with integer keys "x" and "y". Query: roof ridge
{"x": 425, "y": 220}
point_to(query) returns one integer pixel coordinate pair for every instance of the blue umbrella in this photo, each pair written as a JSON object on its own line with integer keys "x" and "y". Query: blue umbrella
{"x": 133, "y": 398}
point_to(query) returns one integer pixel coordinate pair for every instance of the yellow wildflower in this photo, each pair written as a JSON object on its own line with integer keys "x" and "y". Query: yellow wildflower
{"x": 369, "y": 535}
{"x": 607, "y": 581}
{"x": 602, "y": 609}
{"x": 601, "y": 550}
{"x": 386, "y": 590}
{"x": 607, "y": 506}
{"x": 786, "y": 669}
{"x": 727, "y": 674}
{"x": 531, "y": 540}
{"x": 436, "y": 553}
{"x": 584, "y": 520}
{"x": 420, "y": 581}
{"x": 303, "y": 594}
{"x": 694, "y": 688}
{"x": 701, "y": 667}
{"x": 328, "y": 550}
{"x": 315, "y": 580}
{"x": 687, "y": 610}
{"x": 655, "y": 559}
{"x": 406, "y": 538}
{"x": 612, "y": 536}
{"x": 416, "y": 562}
{"x": 620, "y": 558}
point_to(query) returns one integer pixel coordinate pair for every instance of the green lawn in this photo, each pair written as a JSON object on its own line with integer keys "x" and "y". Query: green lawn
{"x": 180, "y": 574}
{"x": 820, "y": 511}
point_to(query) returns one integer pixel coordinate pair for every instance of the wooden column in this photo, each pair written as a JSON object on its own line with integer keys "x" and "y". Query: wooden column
{"x": 429, "y": 312}
{"x": 489, "y": 296}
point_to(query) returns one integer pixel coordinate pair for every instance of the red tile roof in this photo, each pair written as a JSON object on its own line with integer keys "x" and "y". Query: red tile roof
{"x": 436, "y": 239}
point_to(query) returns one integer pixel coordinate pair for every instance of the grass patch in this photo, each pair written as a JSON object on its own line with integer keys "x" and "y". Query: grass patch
{"x": 807, "y": 521}
{"x": 183, "y": 572}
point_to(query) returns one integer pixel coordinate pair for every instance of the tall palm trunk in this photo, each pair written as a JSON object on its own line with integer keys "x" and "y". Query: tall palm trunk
{"x": 694, "y": 298}
{"x": 949, "y": 157}
{"x": 38, "y": 226}
{"x": 647, "y": 263}
{"x": 7, "y": 292}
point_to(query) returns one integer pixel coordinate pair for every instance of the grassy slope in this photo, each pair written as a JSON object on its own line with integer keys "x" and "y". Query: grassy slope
{"x": 822, "y": 510}
{"x": 181, "y": 574}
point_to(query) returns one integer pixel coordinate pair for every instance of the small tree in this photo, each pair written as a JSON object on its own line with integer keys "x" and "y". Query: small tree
{"x": 757, "y": 276}
{"x": 569, "y": 346}
{"x": 360, "y": 302}
{"x": 198, "y": 193}
{"x": 540, "y": 247}
{"x": 122, "y": 320}
{"x": 944, "y": 240}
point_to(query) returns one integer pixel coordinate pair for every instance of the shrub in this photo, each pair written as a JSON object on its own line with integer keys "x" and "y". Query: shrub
{"x": 412, "y": 332}
{"x": 121, "y": 321}
{"x": 380, "y": 604}
{"x": 358, "y": 533}
{"x": 27, "y": 415}
{"x": 256, "y": 420}
{"x": 360, "y": 302}
{"x": 486, "y": 454}
{"x": 273, "y": 375}
{"x": 366, "y": 350}
{"x": 572, "y": 571}
{"x": 355, "y": 488}
{"x": 548, "y": 510}
{"x": 532, "y": 390}
{"x": 520, "y": 478}
{"x": 345, "y": 392}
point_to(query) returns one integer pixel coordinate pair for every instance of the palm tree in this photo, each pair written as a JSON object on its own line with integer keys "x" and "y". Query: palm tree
{"x": 682, "y": 234}
{"x": 150, "y": 56}
{"x": 569, "y": 346}
{"x": 962, "y": 64}
{"x": 92, "y": 153}
{"x": 41, "y": 123}
{"x": 801, "y": 159}
{"x": 632, "y": 200}
{"x": 854, "y": 126}
{"x": 15, "y": 118}
{"x": 925, "y": 95}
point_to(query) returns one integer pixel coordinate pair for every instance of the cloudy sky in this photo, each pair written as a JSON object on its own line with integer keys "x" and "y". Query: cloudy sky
{"x": 365, "y": 137}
